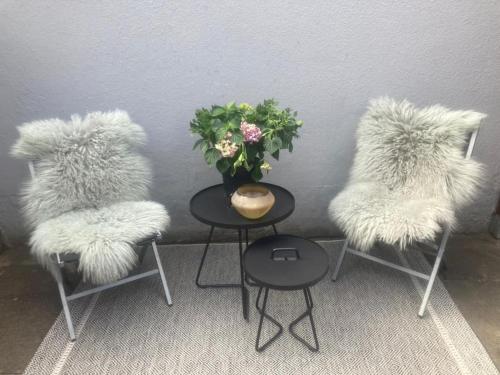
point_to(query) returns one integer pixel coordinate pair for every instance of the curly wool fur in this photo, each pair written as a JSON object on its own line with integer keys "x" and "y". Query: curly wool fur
{"x": 81, "y": 163}
{"x": 90, "y": 232}
{"x": 409, "y": 174}
{"x": 87, "y": 196}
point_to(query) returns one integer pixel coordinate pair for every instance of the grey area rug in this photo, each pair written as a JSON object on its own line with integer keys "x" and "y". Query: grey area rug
{"x": 367, "y": 324}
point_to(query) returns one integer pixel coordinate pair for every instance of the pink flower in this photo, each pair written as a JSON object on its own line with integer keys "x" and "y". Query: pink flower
{"x": 251, "y": 132}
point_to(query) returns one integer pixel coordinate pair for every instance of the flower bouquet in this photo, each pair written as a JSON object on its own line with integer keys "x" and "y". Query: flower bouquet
{"x": 237, "y": 138}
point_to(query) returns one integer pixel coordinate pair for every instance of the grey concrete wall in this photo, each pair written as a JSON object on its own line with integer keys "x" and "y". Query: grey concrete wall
{"x": 161, "y": 60}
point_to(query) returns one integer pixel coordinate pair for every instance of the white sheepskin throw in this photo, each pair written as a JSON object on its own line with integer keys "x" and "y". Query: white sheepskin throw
{"x": 89, "y": 190}
{"x": 409, "y": 174}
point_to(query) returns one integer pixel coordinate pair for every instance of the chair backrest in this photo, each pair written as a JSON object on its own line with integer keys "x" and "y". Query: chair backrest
{"x": 82, "y": 163}
{"x": 421, "y": 153}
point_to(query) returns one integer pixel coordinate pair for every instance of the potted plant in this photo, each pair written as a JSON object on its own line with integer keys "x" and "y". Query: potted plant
{"x": 237, "y": 138}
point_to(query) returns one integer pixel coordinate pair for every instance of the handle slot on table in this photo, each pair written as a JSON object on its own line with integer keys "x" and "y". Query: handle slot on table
{"x": 281, "y": 254}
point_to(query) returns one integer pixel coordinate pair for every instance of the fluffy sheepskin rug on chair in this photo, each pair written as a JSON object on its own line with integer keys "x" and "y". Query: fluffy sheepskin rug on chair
{"x": 409, "y": 174}
{"x": 88, "y": 192}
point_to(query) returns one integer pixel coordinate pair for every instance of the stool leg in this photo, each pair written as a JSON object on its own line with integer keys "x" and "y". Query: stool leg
{"x": 263, "y": 314}
{"x": 308, "y": 312}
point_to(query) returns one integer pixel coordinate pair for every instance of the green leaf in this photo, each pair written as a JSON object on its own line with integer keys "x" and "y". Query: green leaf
{"x": 223, "y": 165}
{"x": 272, "y": 145}
{"x": 240, "y": 161}
{"x": 216, "y": 123}
{"x": 217, "y": 111}
{"x": 237, "y": 138}
{"x": 220, "y": 133}
{"x": 211, "y": 156}
{"x": 276, "y": 154}
{"x": 277, "y": 143}
{"x": 198, "y": 143}
{"x": 256, "y": 173}
{"x": 268, "y": 144}
{"x": 205, "y": 145}
{"x": 233, "y": 124}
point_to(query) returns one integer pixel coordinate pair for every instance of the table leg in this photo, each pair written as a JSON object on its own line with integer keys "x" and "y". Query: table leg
{"x": 244, "y": 290}
{"x": 247, "y": 280}
{"x": 202, "y": 263}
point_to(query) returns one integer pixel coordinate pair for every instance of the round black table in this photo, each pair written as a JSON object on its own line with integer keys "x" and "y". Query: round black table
{"x": 285, "y": 262}
{"x": 212, "y": 207}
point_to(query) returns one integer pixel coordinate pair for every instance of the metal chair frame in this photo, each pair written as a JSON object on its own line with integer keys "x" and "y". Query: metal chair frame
{"x": 439, "y": 248}
{"x": 58, "y": 261}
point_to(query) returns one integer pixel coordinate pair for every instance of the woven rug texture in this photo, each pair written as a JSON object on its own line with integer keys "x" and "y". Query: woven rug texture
{"x": 366, "y": 323}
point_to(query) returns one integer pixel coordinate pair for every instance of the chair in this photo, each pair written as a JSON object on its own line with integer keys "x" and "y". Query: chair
{"x": 412, "y": 171}
{"x": 85, "y": 202}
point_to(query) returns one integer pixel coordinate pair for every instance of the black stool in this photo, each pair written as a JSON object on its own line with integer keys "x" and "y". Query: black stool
{"x": 284, "y": 262}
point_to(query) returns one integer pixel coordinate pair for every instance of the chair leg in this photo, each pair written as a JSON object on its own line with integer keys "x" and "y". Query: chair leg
{"x": 162, "y": 274}
{"x": 435, "y": 269}
{"x": 335, "y": 273}
{"x": 62, "y": 293}
{"x": 142, "y": 253}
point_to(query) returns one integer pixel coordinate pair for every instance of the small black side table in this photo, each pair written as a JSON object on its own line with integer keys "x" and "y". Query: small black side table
{"x": 285, "y": 262}
{"x": 210, "y": 206}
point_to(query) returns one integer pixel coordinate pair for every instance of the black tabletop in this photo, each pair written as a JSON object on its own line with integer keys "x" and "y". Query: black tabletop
{"x": 210, "y": 206}
{"x": 265, "y": 263}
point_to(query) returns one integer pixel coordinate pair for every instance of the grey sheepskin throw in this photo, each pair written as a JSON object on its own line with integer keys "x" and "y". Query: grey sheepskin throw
{"x": 409, "y": 174}
{"x": 88, "y": 195}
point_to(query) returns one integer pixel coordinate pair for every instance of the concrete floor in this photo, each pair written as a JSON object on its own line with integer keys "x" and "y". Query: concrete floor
{"x": 472, "y": 277}
{"x": 29, "y": 302}
{"x": 28, "y": 307}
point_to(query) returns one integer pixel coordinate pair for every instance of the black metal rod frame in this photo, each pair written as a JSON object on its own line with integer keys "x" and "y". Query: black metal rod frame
{"x": 244, "y": 291}
{"x": 264, "y": 314}
{"x": 308, "y": 312}
{"x": 202, "y": 263}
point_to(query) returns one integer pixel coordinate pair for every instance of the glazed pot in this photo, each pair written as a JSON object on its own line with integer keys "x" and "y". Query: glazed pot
{"x": 252, "y": 201}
